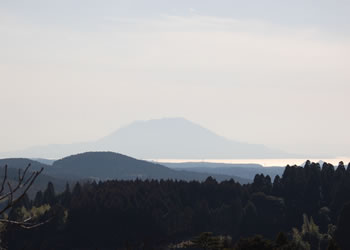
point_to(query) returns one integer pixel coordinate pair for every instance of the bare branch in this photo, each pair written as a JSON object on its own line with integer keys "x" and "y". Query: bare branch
{"x": 4, "y": 180}
{"x": 25, "y": 172}
{"x": 27, "y": 185}
{"x": 19, "y": 174}
{"x": 19, "y": 184}
{"x": 29, "y": 179}
{"x": 25, "y": 224}
{"x": 10, "y": 200}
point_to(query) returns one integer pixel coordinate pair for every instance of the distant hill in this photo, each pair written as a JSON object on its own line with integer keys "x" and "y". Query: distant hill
{"x": 211, "y": 165}
{"x": 109, "y": 165}
{"x": 169, "y": 138}
{"x": 44, "y": 161}
{"x": 40, "y": 183}
{"x": 103, "y": 166}
{"x": 22, "y": 163}
{"x": 246, "y": 171}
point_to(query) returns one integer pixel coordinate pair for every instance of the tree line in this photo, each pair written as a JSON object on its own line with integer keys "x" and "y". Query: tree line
{"x": 305, "y": 208}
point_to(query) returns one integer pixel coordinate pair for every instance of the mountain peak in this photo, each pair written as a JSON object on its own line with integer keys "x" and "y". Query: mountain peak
{"x": 164, "y": 123}
{"x": 164, "y": 138}
{"x": 178, "y": 138}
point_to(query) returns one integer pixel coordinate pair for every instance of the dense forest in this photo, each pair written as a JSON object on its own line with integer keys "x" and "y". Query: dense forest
{"x": 305, "y": 208}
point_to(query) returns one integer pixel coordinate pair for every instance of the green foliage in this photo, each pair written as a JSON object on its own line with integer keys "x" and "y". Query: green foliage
{"x": 38, "y": 211}
{"x": 207, "y": 241}
{"x": 298, "y": 243}
{"x": 254, "y": 243}
{"x": 310, "y": 238}
{"x": 34, "y": 213}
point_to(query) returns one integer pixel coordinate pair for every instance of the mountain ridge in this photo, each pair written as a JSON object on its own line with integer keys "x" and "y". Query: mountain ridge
{"x": 101, "y": 166}
{"x": 110, "y": 165}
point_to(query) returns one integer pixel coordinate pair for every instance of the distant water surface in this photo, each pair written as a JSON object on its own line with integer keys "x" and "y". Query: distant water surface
{"x": 263, "y": 162}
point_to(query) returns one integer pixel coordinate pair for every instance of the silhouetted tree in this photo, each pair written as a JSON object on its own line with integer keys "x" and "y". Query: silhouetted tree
{"x": 49, "y": 196}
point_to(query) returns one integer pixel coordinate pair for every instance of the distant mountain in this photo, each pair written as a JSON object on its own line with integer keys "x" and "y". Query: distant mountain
{"x": 109, "y": 165}
{"x": 177, "y": 138}
{"x": 169, "y": 138}
{"x": 246, "y": 171}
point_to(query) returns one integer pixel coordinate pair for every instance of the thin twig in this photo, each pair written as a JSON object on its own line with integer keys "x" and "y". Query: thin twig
{"x": 9, "y": 201}
{"x": 25, "y": 224}
{"x": 4, "y": 180}
{"x": 12, "y": 202}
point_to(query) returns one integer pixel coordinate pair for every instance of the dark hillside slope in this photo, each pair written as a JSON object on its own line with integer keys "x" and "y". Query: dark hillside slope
{"x": 22, "y": 163}
{"x": 109, "y": 165}
{"x": 14, "y": 164}
{"x": 39, "y": 184}
{"x": 246, "y": 171}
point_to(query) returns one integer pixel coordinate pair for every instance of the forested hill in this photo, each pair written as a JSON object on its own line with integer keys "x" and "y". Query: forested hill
{"x": 247, "y": 171}
{"x": 16, "y": 164}
{"x": 155, "y": 214}
{"x": 22, "y": 163}
{"x": 109, "y": 165}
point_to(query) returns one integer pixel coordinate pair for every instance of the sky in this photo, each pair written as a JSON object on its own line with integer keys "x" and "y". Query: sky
{"x": 268, "y": 72}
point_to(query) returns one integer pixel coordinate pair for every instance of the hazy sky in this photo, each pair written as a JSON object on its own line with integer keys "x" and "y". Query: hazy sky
{"x": 269, "y": 72}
